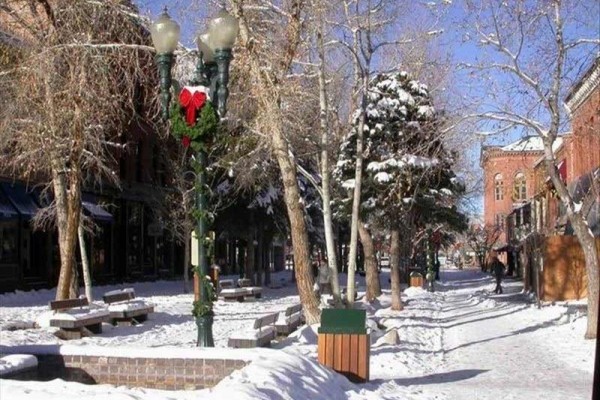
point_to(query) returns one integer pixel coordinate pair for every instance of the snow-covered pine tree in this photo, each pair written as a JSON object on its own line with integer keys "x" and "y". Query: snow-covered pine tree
{"x": 408, "y": 179}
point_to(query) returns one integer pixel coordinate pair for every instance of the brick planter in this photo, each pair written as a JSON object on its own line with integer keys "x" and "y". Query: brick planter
{"x": 188, "y": 372}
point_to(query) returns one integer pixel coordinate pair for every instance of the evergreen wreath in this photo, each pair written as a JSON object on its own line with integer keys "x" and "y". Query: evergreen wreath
{"x": 196, "y": 135}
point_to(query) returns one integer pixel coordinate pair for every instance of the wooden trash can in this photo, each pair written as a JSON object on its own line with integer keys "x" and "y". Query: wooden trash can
{"x": 344, "y": 344}
{"x": 416, "y": 279}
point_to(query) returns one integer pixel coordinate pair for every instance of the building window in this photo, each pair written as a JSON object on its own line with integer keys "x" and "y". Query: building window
{"x": 498, "y": 187}
{"x": 9, "y": 234}
{"x": 500, "y": 218}
{"x": 134, "y": 237}
{"x": 520, "y": 187}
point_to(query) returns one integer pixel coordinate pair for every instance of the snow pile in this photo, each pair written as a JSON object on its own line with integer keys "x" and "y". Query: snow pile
{"x": 16, "y": 325}
{"x": 306, "y": 335}
{"x": 16, "y": 362}
{"x": 414, "y": 291}
{"x": 304, "y": 378}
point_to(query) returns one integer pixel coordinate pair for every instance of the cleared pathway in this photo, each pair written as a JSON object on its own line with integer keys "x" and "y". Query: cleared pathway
{"x": 490, "y": 346}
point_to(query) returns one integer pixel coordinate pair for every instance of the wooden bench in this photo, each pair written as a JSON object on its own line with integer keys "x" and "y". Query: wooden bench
{"x": 229, "y": 292}
{"x": 124, "y": 309}
{"x": 251, "y": 291}
{"x": 289, "y": 320}
{"x": 261, "y": 334}
{"x": 74, "y": 318}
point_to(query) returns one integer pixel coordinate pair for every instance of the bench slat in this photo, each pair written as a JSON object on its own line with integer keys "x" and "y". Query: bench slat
{"x": 114, "y": 298}
{"x": 70, "y": 303}
{"x": 293, "y": 310}
{"x": 266, "y": 320}
{"x": 244, "y": 282}
{"x": 226, "y": 284}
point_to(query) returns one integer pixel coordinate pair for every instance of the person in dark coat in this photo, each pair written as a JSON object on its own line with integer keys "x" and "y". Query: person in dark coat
{"x": 498, "y": 269}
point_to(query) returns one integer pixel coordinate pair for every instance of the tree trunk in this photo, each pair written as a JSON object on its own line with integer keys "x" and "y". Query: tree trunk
{"x": 260, "y": 262}
{"x": 249, "y": 261}
{"x": 268, "y": 238}
{"x": 590, "y": 252}
{"x": 372, "y": 275}
{"x": 85, "y": 264}
{"x": 356, "y": 196}
{"x": 68, "y": 208}
{"x": 295, "y": 209}
{"x": 395, "y": 270}
{"x": 270, "y": 106}
{"x": 327, "y": 220}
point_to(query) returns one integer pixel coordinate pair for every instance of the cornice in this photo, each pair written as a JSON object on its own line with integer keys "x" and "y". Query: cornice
{"x": 584, "y": 88}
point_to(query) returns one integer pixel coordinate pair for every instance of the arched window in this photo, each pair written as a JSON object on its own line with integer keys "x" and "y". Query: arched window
{"x": 520, "y": 187}
{"x": 498, "y": 187}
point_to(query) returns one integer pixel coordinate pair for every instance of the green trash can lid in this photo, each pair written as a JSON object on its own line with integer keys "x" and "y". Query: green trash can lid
{"x": 343, "y": 321}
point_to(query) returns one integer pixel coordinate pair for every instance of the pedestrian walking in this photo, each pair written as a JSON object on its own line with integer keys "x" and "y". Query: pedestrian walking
{"x": 498, "y": 269}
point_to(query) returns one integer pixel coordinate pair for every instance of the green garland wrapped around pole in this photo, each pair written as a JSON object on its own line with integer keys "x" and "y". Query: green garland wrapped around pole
{"x": 195, "y": 122}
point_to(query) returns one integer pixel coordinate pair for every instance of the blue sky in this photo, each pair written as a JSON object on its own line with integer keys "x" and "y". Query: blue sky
{"x": 192, "y": 20}
{"x": 452, "y": 41}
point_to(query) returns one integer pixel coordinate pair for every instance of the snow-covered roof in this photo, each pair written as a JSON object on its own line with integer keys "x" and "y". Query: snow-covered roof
{"x": 528, "y": 143}
{"x": 531, "y": 143}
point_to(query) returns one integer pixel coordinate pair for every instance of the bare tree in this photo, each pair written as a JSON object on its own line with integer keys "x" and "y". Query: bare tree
{"x": 482, "y": 239}
{"x": 319, "y": 21}
{"x": 267, "y": 60}
{"x": 81, "y": 77}
{"x": 536, "y": 51}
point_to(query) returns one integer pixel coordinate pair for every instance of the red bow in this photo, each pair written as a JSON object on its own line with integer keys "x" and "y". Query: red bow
{"x": 192, "y": 103}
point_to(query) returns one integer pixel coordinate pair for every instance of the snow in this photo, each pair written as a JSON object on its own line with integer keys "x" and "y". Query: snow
{"x": 76, "y": 314}
{"x": 532, "y": 143}
{"x": 119, "y": 291}
{"x": 132, "y": 305}
{"x": 382, "y": 177}
{"x": 16, "y": 362}
{"x": 418, "y": 161}
{"x": 349, "y": 184}
{"x": 255, "y": 333}
{"x": 425, "y": 111}
{"x": 460, "y": 342}
{"x": 135, "y": 352}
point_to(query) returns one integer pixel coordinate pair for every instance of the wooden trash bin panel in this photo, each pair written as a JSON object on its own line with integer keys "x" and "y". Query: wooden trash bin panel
{"x": 344, "y": 344}
{"x": 416, "y": 279}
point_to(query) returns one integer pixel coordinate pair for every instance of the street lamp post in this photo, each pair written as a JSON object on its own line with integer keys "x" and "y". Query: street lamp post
{"x": 212, "y": 71}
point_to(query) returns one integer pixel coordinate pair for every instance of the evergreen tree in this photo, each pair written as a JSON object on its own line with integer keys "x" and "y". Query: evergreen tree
{"x": 408, "y": 180}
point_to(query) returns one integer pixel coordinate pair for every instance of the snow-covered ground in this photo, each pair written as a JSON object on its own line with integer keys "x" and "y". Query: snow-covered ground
{"x": 461, "y": 342}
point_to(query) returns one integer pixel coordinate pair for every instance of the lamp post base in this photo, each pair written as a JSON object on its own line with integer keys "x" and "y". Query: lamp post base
{"x": 205, "y": 336}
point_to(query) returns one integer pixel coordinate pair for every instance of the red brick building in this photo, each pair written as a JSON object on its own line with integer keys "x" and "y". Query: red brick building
{"x": 583, "y": 102}
{"x": 508, "y": 179}
{"x": 539, "y": 238}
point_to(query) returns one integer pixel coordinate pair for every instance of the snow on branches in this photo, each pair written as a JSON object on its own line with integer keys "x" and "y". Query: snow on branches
{"x": 405, "y": 162}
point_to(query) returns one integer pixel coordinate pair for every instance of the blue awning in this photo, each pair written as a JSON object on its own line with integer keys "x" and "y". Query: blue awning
{"x": 7, "y": 211}
{"x": 20, "y": 198}
{"x": 97, "y": 212}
